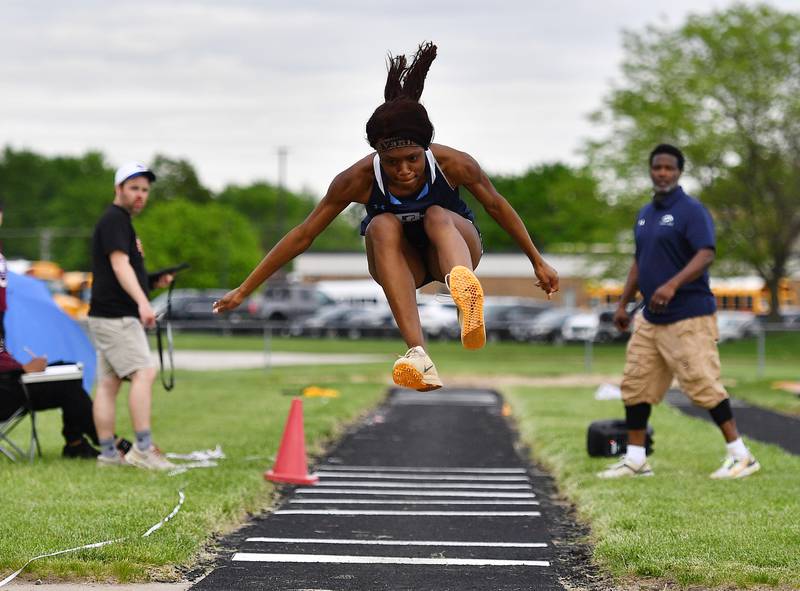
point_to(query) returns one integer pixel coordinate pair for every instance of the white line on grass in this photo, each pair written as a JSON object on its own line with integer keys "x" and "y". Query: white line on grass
{"x": 399, "y": 542}
{"x": 415, "y": 493}
{"x": 408, "y": 513}
{"x": 327, "y": 558}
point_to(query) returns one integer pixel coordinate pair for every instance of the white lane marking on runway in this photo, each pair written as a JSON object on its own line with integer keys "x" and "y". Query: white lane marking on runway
{"x": 409, "y": 502}
{"x": 408, "y": 513}
{"x": 415, "y": 493}
{"x": 396, "y": 476}
{"x": 328, "y": 558}
{"x": 424, "y": 470}
{"x": 399, "y": 542}
{"x": 451, "y": 485}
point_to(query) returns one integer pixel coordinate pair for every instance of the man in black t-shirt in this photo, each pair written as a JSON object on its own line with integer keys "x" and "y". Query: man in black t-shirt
{"x": 118, "y": 315}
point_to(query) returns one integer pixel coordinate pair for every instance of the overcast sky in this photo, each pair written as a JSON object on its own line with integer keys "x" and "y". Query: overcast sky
{"x": 224, "y": 84}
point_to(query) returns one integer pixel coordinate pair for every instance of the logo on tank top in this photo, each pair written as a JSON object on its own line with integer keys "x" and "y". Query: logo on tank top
{"x": 405, "y": 218}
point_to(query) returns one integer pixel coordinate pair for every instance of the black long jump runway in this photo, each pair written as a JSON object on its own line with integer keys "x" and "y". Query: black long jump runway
{"x": 754, "y": 422}
{"x": 428, "y": 493}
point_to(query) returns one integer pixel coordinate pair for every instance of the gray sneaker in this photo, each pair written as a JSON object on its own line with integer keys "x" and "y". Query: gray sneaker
{"x": 150, "y": 459}
{"x": 736, "y": 468}
{"x": 625, "y": 468}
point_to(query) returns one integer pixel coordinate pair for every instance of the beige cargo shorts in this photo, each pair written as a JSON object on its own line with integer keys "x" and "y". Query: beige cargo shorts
{"x": 121, "y": 346}
{"x": 686, "y": 349}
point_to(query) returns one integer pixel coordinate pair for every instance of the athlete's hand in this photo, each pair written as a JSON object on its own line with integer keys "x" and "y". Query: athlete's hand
{"x": 229, "y": 301}
{"x": 547, "y": 278}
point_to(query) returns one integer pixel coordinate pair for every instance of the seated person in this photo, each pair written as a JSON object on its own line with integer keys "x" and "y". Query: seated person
{"x": 68, "y": 395}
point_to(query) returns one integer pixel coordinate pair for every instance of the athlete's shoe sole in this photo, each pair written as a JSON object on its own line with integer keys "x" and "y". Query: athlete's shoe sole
{"x": 408, "y": 376}
{"x": 467, "y": 293}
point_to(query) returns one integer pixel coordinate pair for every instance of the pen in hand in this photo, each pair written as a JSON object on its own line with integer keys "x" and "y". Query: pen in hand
{"x": 33, "y": 355}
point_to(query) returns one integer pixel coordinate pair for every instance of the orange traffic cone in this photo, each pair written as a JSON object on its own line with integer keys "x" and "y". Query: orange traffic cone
{"x": 291, "y": 465}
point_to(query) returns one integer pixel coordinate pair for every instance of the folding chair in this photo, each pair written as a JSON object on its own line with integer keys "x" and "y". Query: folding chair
{"x": 7, "y": 447}
{"x": 53, "y": 373}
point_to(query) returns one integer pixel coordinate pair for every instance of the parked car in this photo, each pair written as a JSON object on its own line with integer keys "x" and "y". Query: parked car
{"x": 737, "y": 325}
{"x": 346, "y": 320}
{"x": 282, "y": 303}
{"x": 597, "y": 326}
{"x": 581, "y": 326}
{"x": 195, "y": 306}
{"x": 439, "y": 319}
{"x": 502, "y": 316}
{"x": 790, "y": 317}
{"x": 546, "y": 326}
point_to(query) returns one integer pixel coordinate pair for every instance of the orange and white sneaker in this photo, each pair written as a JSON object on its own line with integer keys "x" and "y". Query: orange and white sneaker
{"x": 415, "y": 370}
{"x": 467, "y": 293}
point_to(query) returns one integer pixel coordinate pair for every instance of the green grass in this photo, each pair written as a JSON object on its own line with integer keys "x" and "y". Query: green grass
{"x": 56, "y": 504}
{"x": 739, "y": 360}
{"x": 677, "y": 526}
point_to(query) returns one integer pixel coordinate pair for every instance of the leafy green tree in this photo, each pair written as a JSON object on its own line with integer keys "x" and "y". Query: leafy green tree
{"x": 274, "y": 212}
{"x": 63, "y": 194}
{"x": 177, "y": 179}
{"x": 558, "y": 205}
{"x": 725, "y": 87}
{"x": 216, "y": 240}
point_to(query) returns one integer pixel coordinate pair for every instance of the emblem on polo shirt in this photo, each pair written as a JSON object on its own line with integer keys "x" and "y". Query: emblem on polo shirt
{"x": 667, "y": 220}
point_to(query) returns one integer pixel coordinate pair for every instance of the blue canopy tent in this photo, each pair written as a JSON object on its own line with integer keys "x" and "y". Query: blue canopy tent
{"x": 34, "y": 321}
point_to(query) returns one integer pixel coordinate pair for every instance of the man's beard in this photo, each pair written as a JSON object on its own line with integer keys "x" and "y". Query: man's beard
{"x": 660, "y": 193}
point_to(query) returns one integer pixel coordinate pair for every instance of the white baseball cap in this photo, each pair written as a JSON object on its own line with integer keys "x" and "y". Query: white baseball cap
{"x": 130, "y": 169}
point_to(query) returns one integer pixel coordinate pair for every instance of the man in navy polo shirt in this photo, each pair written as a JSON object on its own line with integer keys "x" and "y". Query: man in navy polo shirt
{"x": 676, "y": 335}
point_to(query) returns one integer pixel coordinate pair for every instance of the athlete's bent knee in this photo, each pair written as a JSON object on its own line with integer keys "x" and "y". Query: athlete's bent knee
{"x": 382, "y": 227}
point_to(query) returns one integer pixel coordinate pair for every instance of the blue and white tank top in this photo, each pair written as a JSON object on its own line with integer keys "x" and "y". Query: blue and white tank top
{"x": 435, "y": 191}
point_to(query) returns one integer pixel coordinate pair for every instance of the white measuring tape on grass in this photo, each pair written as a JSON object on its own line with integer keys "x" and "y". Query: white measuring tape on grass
{"x": 157, "y": 526}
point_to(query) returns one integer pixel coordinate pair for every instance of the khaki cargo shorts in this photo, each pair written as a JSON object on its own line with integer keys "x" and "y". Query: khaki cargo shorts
{"x": 686, "y": 349}
{"x": 121, "y": 345}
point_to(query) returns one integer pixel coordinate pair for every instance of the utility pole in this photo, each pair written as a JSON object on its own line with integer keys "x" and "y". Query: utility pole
{"x": 283, "y": 153}
{"x": 280, "y": 214}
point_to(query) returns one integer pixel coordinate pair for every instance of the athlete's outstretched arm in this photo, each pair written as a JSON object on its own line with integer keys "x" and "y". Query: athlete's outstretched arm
{"x": 464, "y": 170}
{"x": 295, "y": 242}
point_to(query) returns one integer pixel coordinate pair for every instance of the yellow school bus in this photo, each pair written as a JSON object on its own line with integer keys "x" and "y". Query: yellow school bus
{"x": 747, "y": 294}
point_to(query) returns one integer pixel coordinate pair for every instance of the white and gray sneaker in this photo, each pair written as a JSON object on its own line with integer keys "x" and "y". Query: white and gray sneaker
{"x": 150, "y": 459}
{"x": 416, "y": 370}
{"x": 117, "y": 460}
{"x": 736, "y": 468}
{"x": 625, "y": 468}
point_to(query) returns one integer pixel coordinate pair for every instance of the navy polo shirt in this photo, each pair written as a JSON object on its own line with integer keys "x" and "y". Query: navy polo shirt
{"x": 668, "y": 235}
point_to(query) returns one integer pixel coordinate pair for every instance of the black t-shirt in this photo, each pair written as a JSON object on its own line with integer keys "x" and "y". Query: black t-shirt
{"x": 113, "y": 232}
